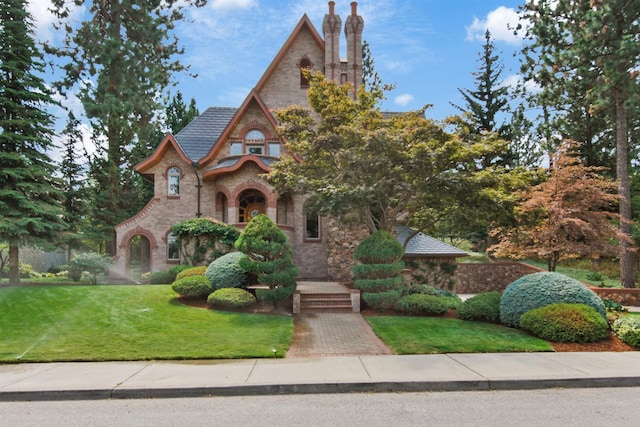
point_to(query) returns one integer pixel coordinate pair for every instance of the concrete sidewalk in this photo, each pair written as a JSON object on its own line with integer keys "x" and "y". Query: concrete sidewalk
{"x": 439, "y": 372}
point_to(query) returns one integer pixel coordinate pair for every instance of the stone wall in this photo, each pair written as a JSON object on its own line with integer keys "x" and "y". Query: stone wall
{"x": 622, "y": 296}
{"x": 342, "y": 240}
{"x": 473, "y": 278}
{"x": 436, "y": 272}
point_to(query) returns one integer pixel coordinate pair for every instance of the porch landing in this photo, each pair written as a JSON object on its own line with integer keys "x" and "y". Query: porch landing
{"x": 325, "y": 297}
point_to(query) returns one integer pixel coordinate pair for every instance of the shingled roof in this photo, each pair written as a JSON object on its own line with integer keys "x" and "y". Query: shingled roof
{"x": 422, "y": 245}
{"x": 197, "y": 138}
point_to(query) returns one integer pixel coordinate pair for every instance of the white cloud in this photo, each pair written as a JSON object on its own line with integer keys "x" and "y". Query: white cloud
{"x": 514, "y": 80}
{"x": 403, "y": 100}
{"x": 233, "y": 4}
{"x": 499, "y": 22}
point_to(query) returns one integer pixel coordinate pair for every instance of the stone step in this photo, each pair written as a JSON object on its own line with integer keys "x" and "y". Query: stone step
{"x": 325, "y": 303}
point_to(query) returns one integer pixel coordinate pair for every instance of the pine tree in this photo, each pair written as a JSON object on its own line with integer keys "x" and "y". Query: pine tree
{"x": 179, "y": 114}
{"x": 128, "y": 51}
{"x": 585, "y": 53}
{"x": 30, "y": 200}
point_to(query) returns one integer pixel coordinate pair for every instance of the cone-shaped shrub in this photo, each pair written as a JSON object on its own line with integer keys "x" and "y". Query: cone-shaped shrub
{"x": 269, "y": 258}
{"x": 378, "y": 276}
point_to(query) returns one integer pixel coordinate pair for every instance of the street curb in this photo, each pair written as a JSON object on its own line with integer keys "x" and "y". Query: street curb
{"x": 319, "y": 388}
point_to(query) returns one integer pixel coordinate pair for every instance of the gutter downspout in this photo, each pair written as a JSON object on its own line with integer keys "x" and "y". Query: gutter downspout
{"x": 198, "y": 186}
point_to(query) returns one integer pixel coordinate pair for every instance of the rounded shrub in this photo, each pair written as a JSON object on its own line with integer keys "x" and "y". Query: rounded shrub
{"x": 541, "y": 289}
{"x": 564, "y": 322}
{"x": 226, "y": 272}
{"x": 233, "y": 298}
{"x": 380, "y": 247}
{"x": 381, "y": 300}
{"x": 161, "y": 278}
{"x": 628, "y": 330}
{"x": 193, "y": 271}
{"x": 484, "y": 307}
{"x": 418, "y": 288}
{"x": 422, "y": 305}
{"x": 192, "y": 286}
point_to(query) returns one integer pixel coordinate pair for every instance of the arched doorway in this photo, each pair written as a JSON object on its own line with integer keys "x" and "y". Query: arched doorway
{"x": 139, "y": 256}
{"x": 250, "y": 201}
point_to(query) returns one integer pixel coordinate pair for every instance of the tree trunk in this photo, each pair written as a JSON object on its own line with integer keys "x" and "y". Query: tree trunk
{"x": 624, "y": 192}
{"x": 14, "y": 264}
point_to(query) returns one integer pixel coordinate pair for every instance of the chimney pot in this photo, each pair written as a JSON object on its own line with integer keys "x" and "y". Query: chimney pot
{"x": 332, "y": 6}
{"x": 354, "y": 8}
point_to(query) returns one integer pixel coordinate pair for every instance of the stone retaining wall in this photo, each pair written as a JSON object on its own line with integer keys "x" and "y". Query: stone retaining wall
{"x": 622, "y": 296}
{"x": 474, "y": 278}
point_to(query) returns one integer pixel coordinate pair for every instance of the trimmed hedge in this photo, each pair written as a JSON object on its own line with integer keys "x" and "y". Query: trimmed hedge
{"x": 226, "y": 272}
{"x": 566, "y": 323}
{"x": 193, "y": 271}
{"x": 541, "y": 289}
{"x": 377, "y": 271}
{"x": 231, "y": 298}
{"x": 484, "y": 307}
{"x": 162, "y": 278}
{"x": 381, "y": 300}
{"x": 380, "y": 247}
{"x": 628, "y": 330}
{"x": 192, "y": 286}
{"x": 379, "y": 285}
{"x": 422, "y": 305}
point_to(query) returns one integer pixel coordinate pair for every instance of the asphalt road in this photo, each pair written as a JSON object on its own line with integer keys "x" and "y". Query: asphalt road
{"x": 552, "y": 407}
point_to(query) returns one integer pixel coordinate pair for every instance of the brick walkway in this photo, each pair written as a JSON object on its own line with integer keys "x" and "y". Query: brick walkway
{"x": 334, "y": 334}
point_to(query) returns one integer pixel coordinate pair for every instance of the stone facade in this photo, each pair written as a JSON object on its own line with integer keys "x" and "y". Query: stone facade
{"x": 474, "y": 278}
{"x": 343, "y": 238}
{"x": 226, "y": 183}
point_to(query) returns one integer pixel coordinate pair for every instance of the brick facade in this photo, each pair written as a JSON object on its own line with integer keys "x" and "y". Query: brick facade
{"x": 216, "y": 185}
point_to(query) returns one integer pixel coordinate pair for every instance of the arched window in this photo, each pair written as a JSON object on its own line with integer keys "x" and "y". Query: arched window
{"x": 254, "y": 140}
{"x": 250, "y": 201}
{"x": 305, "y": 64}
{"x": 173, "y": 182}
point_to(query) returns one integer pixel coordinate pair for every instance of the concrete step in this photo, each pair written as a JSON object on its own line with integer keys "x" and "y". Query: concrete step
{"x": 325, "y": 303}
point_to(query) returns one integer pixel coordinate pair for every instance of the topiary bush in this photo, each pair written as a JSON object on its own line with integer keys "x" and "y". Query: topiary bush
{"x": 417, "y": 288}
{"x": 541, "y": 289}
{"x": 226, "y": 272}
{"x": 564, "y": 322}
{"x": 176, "y": 269}
{"x": 422, "y": 305}
{"x": 233, "y": 298}
{"x": 379, "y": 274}
{"x": 192, "y": 286}
{"x": 162, "y": 278}
{"x": 193, "y": 271}
{"x": 628, "y": 330}
{"x": 484, "y": 307}
{"x": 270, "y": 257}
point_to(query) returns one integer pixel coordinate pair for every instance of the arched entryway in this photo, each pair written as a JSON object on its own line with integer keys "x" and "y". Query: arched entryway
{"x": 139, "y": 256}
{"x": 249, "y": 202}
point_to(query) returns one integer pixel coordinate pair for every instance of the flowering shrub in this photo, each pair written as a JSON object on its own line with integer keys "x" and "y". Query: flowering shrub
{"x": 628, "y": 330}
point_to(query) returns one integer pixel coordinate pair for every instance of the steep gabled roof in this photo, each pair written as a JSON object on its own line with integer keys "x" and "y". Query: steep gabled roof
{"x": 168, "y": 142}
{"x": 421, "y": 245}
{"x": 304, "y": 22}
{"x": 197, "y": 138}
{"x": 216, "y": 146}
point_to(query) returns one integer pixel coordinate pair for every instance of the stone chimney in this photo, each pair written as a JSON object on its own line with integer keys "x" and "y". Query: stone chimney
{"x": 353, "y": 31}
{"x": 331, "y": 31}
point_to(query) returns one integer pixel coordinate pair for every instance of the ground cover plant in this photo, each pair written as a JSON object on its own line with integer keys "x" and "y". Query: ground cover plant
{"x": 424, "y": 335}
{"x": 95, "y": 323}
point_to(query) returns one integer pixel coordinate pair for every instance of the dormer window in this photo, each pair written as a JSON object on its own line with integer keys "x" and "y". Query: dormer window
{"x": 173, "y": 182}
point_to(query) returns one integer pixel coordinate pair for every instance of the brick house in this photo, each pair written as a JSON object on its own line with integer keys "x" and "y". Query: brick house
{"x": 212, "y": 167}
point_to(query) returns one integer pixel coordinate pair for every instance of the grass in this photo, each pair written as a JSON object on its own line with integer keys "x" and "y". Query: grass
{"x": 424, "y": 335}
{"x": 96, "y": 323}
{"x": 580, "y": 274}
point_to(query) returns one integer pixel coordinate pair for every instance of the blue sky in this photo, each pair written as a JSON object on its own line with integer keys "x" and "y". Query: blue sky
{"x": 428, "y": 48}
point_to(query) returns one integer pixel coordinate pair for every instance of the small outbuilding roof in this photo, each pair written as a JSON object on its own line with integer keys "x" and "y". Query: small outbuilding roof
{"x": 421, "y": 245}
{"x": 197, "y": 138}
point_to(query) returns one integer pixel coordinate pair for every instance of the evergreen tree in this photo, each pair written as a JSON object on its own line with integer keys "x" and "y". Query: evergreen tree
{"x": 585, "y": 53}
{"x": 73, "y": 174}
{"x": 30, "y": 200}
{"x": 127, "y": 50}
{"x": 179, "y": 114}
{"x": 488, "y": 99}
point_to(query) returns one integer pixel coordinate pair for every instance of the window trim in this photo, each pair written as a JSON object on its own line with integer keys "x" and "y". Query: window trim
{"x": 173, "y": 175}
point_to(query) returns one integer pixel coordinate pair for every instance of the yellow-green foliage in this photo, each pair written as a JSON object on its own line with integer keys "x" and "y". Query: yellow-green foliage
{"x": 566, "y": 323}
{"x": 193, "y": 271}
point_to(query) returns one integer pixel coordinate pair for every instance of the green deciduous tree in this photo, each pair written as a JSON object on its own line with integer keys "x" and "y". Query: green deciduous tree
{"x": 121, "y": 59}
{"x": 590, "y": 49}
{"x": 30, "y": 198}
{"x": 570, "y": 215}
{"x": 351, "y": 158}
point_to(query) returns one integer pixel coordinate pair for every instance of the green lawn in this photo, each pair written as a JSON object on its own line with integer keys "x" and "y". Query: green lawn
{"x": 64, "y": 323}
{"x": 421, "y": 335}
